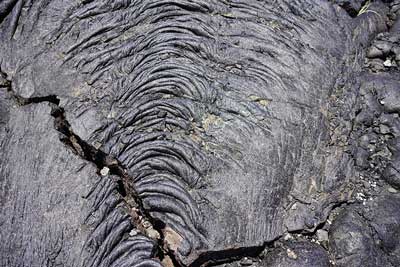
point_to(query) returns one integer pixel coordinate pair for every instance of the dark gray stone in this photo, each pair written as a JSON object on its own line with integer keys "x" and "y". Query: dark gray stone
{"x": 367, "y": 235}
{"x": 298, "y": 254}
{"x": 230, "y": 119}
{"x": 55, "y": 210}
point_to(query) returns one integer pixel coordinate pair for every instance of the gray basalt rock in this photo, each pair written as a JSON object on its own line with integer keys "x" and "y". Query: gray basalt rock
{"x": 225, "y": 124}
{"x": 367, "y": 236}
{"x": 298, "y": 254}
{"x": 55, "y": 210}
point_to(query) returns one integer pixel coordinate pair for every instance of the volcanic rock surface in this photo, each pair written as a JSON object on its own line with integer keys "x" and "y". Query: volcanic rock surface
{"x": 195, "y": 133}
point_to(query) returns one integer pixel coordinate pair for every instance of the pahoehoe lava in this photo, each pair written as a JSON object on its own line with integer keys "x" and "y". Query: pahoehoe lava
{"x": 199, "y": 133}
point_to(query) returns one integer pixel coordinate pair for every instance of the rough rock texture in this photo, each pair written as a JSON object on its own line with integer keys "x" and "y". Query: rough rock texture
{"x": 142, "y": 132}
{"x": 55, "y": 210}
{"x": 368, "y": 236}
{"x": 298, "y": 254}
{"x": 366, "y": 233}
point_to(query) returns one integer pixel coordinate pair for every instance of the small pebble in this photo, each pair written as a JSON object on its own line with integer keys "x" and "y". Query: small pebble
{"x": 322, "y": 235}
{"x": 246, "y": 262}
{"x": 291, "y": 254}
{"x": 153, "y": 234}
{"x": 392, "y": 190}
{"x": 133, "y": 232}
{"x": 360, "y": 196}
{"x": 287, "y": 237}
{"x": 387, "y": 63}
{"x": 104, "y": 171}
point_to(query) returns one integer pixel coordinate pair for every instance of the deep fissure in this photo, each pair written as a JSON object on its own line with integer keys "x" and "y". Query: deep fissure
{"x": 213, "y": 258}
{"x": 101, "y": 160}
{"x": 139, "y": 215}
